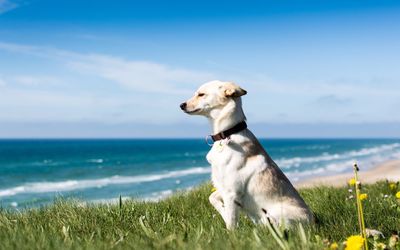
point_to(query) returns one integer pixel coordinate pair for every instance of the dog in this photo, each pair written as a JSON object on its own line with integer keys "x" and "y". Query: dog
{"x": 244, "y": 175}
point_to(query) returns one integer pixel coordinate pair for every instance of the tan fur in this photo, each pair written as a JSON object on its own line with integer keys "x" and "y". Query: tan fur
{"x": 246, "y": 177}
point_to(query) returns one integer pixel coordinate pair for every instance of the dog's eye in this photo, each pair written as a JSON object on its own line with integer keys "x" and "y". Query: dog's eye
{"x": 200, "y": 94}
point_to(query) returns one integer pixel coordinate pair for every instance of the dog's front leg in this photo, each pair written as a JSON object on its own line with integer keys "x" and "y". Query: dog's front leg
{"x": 231, "y": 210}
{"x": 217, "y": 202}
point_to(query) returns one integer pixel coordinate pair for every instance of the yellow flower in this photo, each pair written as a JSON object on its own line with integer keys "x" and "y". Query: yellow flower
{"x": 354, "y": 242}
{"x": 393, "y": 186}
{"x": 398, "y": 195}
{"x": 363, "y": 196}
{"x": 213, "y": 189}
{"x": 334, "y": 246}
{"x": 352, "y": 182}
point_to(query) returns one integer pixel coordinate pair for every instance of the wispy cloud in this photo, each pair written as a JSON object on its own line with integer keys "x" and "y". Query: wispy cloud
{"x": 143, "y": 76}
{"x": 332, "y": 100}
{"x": 114, "y": 88}
{"x": 71, "y": 92}
{"x": 155, "y": 77}
{"x": 140, "y": 75}
{"x": 48, "y": 105}
{"x": 35, "y": 80}
{"x": 6, "y": 5}
{"x": 2, "y": 82}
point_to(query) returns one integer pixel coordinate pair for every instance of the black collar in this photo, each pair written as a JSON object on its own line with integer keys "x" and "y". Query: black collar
{"x": 225, "y": 134}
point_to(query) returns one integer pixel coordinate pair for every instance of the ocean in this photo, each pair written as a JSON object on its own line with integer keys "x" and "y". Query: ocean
{"x": 36, "y": 172}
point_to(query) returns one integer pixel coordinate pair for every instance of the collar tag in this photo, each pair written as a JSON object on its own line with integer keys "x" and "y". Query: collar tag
{"x": 209, "y": 140}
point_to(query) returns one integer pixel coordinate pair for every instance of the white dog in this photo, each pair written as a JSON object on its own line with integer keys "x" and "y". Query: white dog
{"x": 245, "y": 176}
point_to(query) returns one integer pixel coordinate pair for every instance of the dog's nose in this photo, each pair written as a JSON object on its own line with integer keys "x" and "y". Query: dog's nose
{"x": 183, "y": 105}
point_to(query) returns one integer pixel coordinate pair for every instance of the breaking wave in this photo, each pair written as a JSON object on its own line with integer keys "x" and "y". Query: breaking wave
{"x": 70, "y": 185}
{"x": 287, "y": 163}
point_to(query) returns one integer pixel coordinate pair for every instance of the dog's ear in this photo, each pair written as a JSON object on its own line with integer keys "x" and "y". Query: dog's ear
{"x": 233, "y": 90}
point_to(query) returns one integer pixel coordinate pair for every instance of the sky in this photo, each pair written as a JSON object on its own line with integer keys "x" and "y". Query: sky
{"x": 105, "y": 69}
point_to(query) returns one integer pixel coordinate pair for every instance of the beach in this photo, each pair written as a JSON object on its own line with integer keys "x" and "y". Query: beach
{"x": 389, "y": 170}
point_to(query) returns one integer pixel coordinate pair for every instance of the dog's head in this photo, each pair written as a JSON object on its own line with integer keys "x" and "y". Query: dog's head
{"x": 210, "y": 96}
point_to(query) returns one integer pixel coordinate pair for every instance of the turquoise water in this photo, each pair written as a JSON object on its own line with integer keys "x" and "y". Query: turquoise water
{"x": 34, "y": 172}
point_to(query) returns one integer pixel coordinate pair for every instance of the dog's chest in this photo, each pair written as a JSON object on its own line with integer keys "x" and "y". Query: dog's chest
{"x": 225, "y": 163}
{"x": 220, "y": 154}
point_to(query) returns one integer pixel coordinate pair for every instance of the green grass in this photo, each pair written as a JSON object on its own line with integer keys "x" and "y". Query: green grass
{"x": 188, "y": 221}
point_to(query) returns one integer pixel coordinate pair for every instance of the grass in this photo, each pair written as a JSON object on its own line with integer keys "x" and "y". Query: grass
{"x": 188, "y": 221}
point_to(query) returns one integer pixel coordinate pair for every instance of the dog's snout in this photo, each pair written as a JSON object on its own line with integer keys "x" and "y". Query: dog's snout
{"x": 183, "y": 105}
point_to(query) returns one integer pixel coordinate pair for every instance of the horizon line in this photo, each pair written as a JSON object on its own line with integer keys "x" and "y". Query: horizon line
{"x": 195, "y": 138}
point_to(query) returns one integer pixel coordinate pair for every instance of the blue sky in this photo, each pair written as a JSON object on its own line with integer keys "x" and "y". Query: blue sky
{"x": 98, "y": 68}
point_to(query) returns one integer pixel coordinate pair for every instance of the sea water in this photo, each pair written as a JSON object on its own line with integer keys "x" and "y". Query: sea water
{"x": 35, "y": 172}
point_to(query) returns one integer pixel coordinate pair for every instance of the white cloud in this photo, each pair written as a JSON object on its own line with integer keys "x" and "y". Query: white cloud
{"x": 45, "y": 105}
{"x": 81, "y": 94}
{"x": 2, "y": 82}
{"x": 39, "y": 51}
{"x": 315, "y": 88}
{"x": 30, "y": 80}
{"x": 143, "y": 76}
{"x": 93, "y": 91}
{"x": 332, "y": 100}
{"x": 6, "y": 5}
{"x": 58, "y": 105}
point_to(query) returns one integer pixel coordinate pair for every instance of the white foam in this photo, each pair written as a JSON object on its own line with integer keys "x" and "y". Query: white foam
{"x": 340, "y": 167}
{"x": 69, "y": 185}
{"x": 156, "y": 196}
{"x": 326, "y": 170}
{"x": 297, "y": 161}
{"x": 366, "y": 158}
{"x": 321, "y": 166}
{"x": 96, "y": 160}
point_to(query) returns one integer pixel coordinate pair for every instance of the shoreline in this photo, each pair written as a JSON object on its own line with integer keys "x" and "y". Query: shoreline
{"x": 389, "y": 170}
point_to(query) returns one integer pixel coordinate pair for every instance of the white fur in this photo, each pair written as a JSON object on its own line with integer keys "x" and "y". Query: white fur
{"x": 245, "y": 177}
